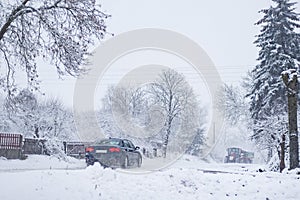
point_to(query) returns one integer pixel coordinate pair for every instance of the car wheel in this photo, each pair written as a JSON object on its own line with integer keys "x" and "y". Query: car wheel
{"x": 139, "y": 161}
{"x": 125, "y": 164}
{"x": 89, "y": 163}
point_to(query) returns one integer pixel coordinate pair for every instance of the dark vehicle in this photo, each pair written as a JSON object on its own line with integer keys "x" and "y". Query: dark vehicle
{"x": 114, "y": 152}
{"x": 237, "y": 155}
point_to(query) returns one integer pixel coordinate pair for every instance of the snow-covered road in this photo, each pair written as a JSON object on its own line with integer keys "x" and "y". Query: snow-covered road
{"x": 188, "y": 178}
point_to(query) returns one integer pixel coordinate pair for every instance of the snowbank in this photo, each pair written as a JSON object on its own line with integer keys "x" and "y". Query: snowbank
{"x": 189, "y": 178}
{"x": 40, "y": 162}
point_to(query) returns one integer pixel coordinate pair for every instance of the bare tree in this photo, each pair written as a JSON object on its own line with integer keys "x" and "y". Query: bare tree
{"x": 232, "y": 103}
{"x": 137, "y": 101}
{"x": 24, "y": 112}
{"x": 172, "y": 92}
{"x": 60, "y": 31}
{"x": 56, "y": 121}
{"x": 47, "y": 119}
{"x": 194, "y": 127}
{"x": 129, "y": 109}
{"x": 120, "y": 98}
{"x": 144, "y": 114}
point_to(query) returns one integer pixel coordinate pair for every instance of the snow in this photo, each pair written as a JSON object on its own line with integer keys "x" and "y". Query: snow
{"x": 47, "y": 178}
{"x": 40, "y": 162}
{"x": 290, "y": 73}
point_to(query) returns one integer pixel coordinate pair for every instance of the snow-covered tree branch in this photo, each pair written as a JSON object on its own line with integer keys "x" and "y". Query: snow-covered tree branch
{"x": 60, "y": 31}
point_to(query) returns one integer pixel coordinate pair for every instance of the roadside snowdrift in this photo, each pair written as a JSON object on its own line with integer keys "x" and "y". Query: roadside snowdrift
{"x": 189, "y": 178}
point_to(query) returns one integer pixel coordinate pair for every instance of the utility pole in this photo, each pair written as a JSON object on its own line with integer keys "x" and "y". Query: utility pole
{"x": 290, "y": 79}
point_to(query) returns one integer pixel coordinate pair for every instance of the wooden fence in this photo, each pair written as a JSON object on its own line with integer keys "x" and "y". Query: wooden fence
{"x": 10, "y": 141}
{"x": 11, "y": 145}
{"x": 34, "y": 146}
{"x": 75, "y": 149}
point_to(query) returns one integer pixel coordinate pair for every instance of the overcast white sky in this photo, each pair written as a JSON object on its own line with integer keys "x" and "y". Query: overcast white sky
{"x": 224, "y": 29}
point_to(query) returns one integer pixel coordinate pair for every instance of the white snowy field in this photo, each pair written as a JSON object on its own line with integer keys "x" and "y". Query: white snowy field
{"x": 40, "y": 162}
{"x": 47, "y": 178}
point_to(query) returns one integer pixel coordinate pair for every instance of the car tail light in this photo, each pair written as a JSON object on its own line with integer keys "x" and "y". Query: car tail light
{"x": 89, "y": 149}
{"x": 114, "y": 149}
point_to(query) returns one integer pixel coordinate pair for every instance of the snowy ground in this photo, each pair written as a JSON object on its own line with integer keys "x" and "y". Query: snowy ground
{"x": 47, "y": 178}
{"x": 39, "y": 162}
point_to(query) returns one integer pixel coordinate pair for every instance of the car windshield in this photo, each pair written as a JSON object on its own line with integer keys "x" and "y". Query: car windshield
{"x": 110, "y": 142}
{"x": 233, "y": 150}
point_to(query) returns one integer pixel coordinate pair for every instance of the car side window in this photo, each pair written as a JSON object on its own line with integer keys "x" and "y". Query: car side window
{"x": 122, "y": 143}
{"x": 131, "y": 145}
{"x": 126, "y": 144}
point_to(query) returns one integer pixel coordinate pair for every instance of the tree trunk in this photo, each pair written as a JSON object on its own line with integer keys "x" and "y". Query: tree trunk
{"x": 36, "y": 132}
{"x": 169, "y": 124}
{"x": 291, "y": 81}
{"x": 270, "y": 154}
{"x": 166, "y": 140}
{"x": 282, "y": 153}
